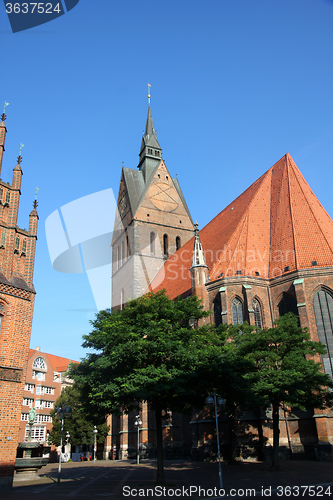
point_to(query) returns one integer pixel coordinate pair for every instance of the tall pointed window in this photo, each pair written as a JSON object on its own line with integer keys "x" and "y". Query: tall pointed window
{"x": 1, "y": 195}
{"x": 3, "y": 238}
{"x": 128, "y": 248}
{"x": 237, "y": 312}
{"x": 323, "y": 308}
{"x": 257, "y": 313}
{"x": 217, "y": 310}
{"x": 24, "y": 246}
{"x": 122, "y": 253}
{"x": 165, "y": 246}
{"x": 177, "y": 243}
{"x": 152, "y": 243}
{"x": 17, "y": 244}
{"x": 287, "y": 304}
{"x": 8, "y": 197}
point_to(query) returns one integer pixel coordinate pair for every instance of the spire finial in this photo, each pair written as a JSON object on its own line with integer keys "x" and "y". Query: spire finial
{"x": 196, "y": 225}
{"x": 19, "y": 158}
{"x": 3, "y": 116}
{"x": 149, "y": 93}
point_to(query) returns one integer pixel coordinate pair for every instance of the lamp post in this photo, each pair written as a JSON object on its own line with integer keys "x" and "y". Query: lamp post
{"x": 95, "y": 431}
{"x": 62, "y": 412}
{"x": 220, "y": 401}
{"x": 137, "y": 424}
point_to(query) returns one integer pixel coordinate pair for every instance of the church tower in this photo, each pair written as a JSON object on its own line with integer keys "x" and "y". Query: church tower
{"x": 17, "y": 295}
{"x": 152, "y": 222}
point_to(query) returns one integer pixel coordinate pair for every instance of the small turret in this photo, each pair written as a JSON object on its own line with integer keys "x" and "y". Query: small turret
{"x": 199, "y": 271}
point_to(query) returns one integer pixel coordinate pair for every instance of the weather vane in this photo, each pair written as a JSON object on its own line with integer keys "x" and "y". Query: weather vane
{"x": 37, "y": 189}
{"x": 149, "y": 93}
{"x": 3, "y": 116}
{"x": 21, "y": 146}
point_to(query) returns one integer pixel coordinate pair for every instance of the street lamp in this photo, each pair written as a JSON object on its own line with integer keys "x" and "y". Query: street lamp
{"x": 137, "y": 424}
{"x": 209, "y": 401}
{"x": 95, "y": 431}
{"x": 67, "y": 440}
{"x": 62, "y": 412}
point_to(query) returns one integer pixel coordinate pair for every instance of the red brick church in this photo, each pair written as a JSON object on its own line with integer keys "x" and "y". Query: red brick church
{"x": 17, "y": 295}
{"x": 268, "y": 252}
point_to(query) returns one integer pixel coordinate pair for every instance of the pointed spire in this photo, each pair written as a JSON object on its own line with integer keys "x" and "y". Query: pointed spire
{"x": 198, "y": 259}
{"x": 150, "y": 151}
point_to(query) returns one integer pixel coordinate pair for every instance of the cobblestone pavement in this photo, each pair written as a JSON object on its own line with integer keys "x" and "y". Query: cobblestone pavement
{"x": 184, "y": 479}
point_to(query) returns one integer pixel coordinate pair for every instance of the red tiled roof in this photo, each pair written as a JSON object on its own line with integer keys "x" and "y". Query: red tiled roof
{"x": 276, "y": 226}
{"x": 58, "y": 363}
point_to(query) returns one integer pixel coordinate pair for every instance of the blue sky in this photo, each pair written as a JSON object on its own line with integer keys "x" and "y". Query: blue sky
{"x": 236, "y": 84}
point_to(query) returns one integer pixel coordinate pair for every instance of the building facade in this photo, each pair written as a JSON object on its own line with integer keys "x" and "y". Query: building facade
{"x": 268, "y": 252}
{"x": 45, "y": 378}
{"x": 17, "y": 295}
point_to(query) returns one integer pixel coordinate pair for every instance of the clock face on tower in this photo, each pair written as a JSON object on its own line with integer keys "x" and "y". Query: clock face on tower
{"x": 164, "y": 197}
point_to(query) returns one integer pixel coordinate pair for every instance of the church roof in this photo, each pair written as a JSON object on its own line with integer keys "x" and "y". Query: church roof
{"x": 274, "y": 227}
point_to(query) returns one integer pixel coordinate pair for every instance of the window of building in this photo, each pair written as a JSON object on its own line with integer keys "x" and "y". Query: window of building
{"x": 17, "y": 243}
{"x": 128, "y": 248}
{"x": 38, "y": 432}
{"x": 217, "y": 310}
{"x": 39, "y": 363}
{"x": 8, "y": 197}
{"x": 28, "y": 402}
{"x": 24, "y": 246}
{"x": 47, "y": 404}
{"x": 177, "y": 243}
{"x": 29, "y": 387}
{"x": 38, "y": 375}
{"x": 122, "y": 253}
{"x": 152, "y": 243}
{"x": 323, "y": 308}
{"x": 3, "y": 238}
{"x": 43, "y": 418}
{"x": 1, "y": 195}
{"x": 237, "y": 312}
{"x": 24, "y": 417}
{"x": 257, "y": 313}
{"x": 165, "y": 246}
{"x": 287, "y": 304}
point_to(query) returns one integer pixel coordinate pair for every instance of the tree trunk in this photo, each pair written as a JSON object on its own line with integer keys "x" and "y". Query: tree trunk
{"x": 261, "y": 440}
{"x": 276, "y": 436}
{"x": 232, "y": 436}
{"x": 159, "y": 447}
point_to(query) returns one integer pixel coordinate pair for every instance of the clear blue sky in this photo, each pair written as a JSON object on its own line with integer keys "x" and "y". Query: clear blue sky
{"x": 236, "y": 84}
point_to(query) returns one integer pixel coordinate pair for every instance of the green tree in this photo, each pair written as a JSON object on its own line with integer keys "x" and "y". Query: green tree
{"x": 283, "y": 369}
{"x": 81, "y": 423}
{"x": 148, "y": 352}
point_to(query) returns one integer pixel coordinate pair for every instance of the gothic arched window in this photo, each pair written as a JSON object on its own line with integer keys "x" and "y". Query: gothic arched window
{"x": 128, "y": 248}
{"x": 237, "y": 312}
{"x": 165, "y": 246}
{"x": 152, "y": 243}
{"x": 122, "y": 253}
{"x": 177, "y": 243}
{"x": 217, "y": 310}
{"x": 323, "y": 308}
{"x": 287, "y": 304}
{"x": 257, "y": 313}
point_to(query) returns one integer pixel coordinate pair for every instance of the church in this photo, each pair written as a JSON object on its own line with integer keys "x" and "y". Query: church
{"x": 269, "y": 252}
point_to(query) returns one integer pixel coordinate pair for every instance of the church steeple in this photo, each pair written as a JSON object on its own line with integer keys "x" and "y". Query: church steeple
{"x": 150, "y": 151}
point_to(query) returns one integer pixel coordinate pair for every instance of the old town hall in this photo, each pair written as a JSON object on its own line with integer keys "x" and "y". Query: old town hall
{"x": 268, "y": 252}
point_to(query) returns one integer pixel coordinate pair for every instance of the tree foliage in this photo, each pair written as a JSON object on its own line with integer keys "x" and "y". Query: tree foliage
{"x": 149, "y": 352}
{"x": 284, "y": 370}
{"x": 81, "y": 423}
